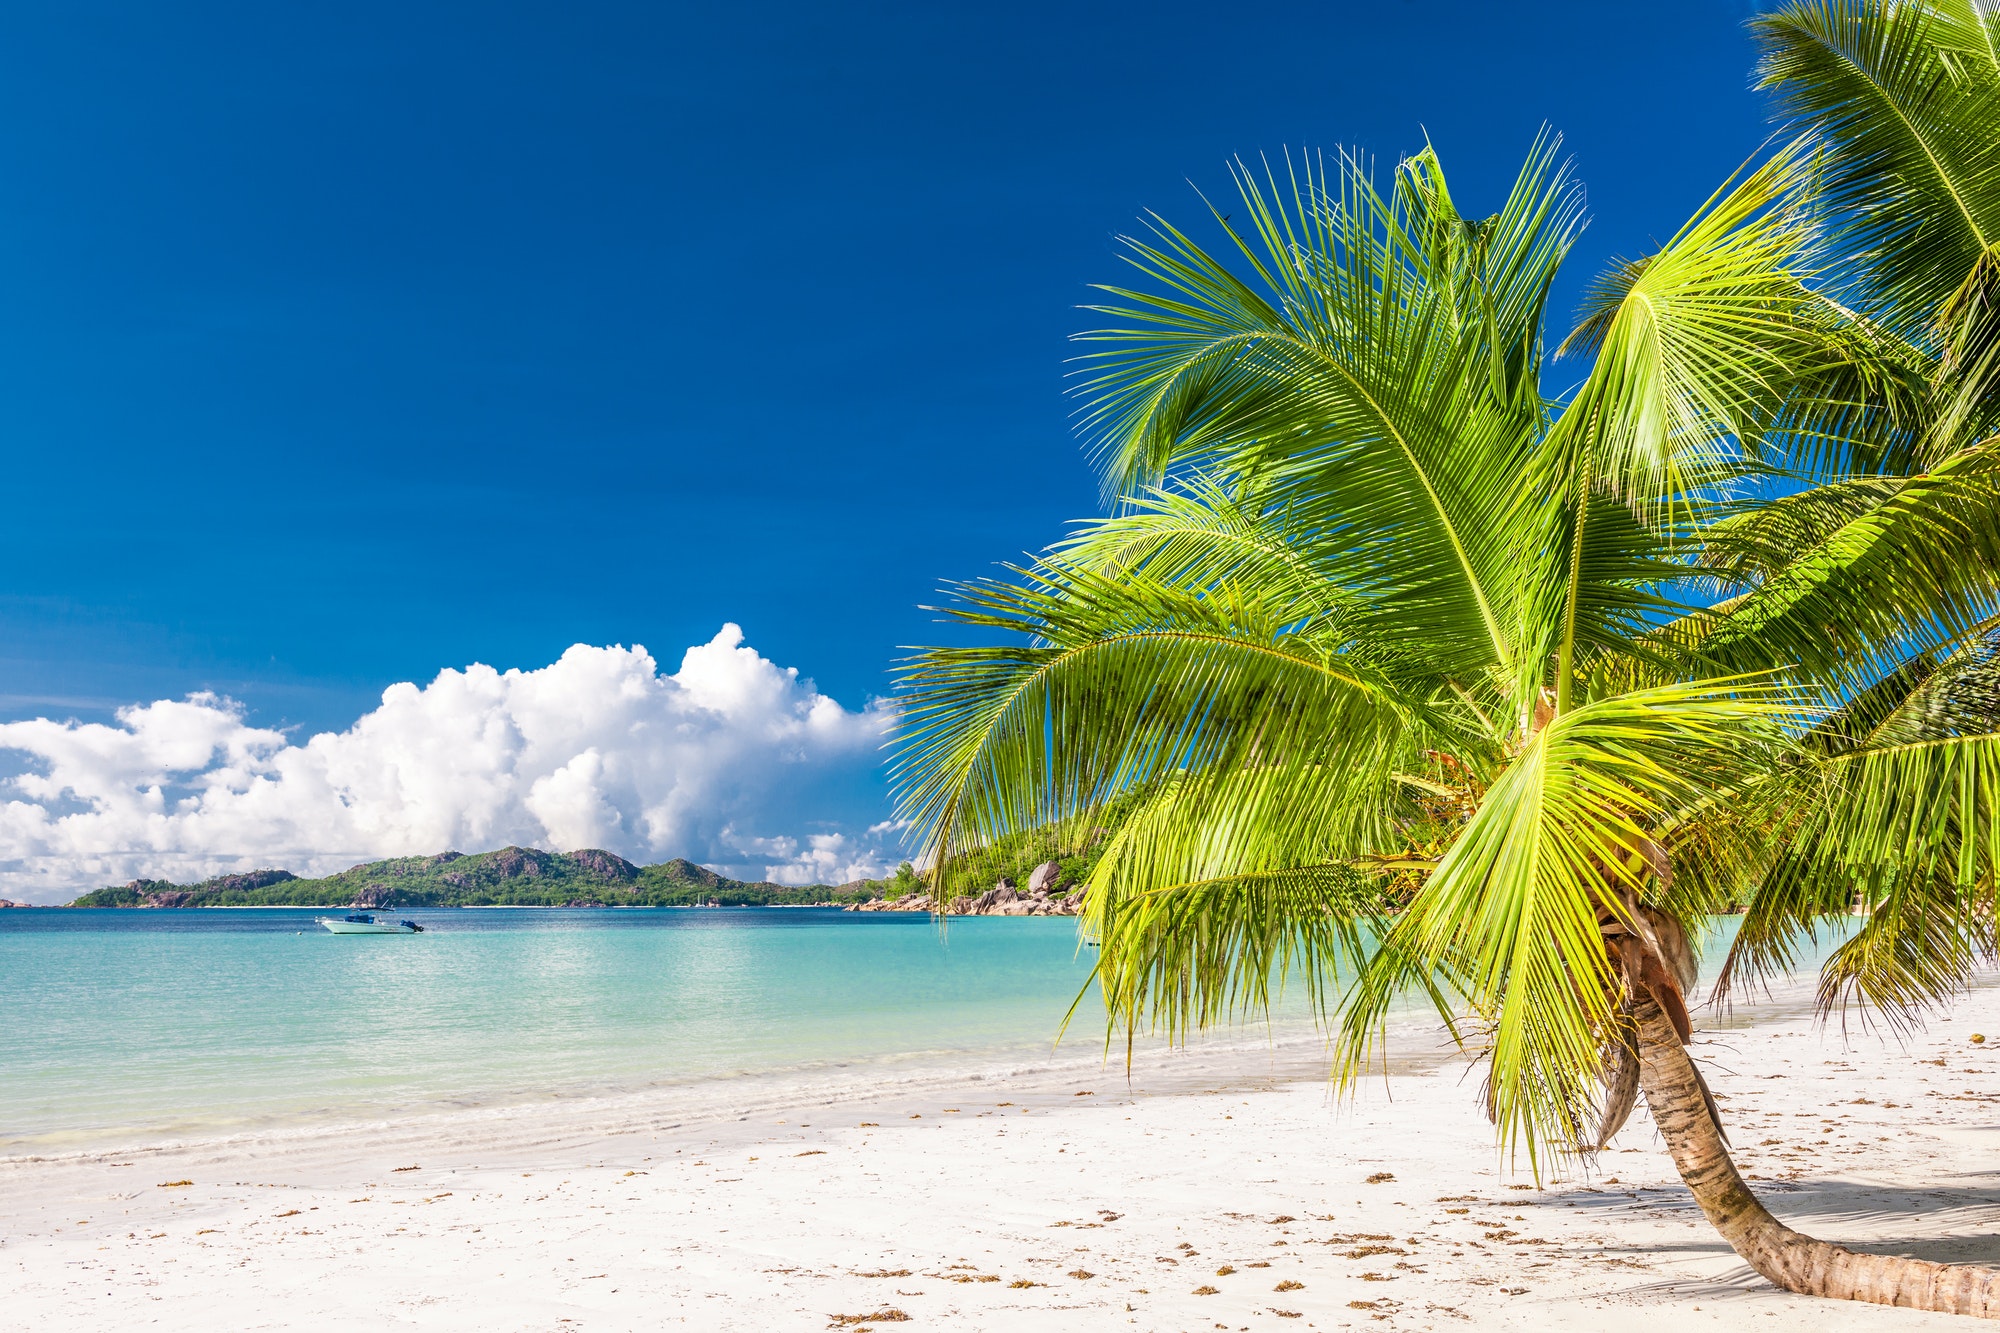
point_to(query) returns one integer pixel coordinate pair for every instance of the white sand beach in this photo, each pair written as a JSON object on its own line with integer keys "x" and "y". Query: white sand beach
{"x": 1043, "y": 1201}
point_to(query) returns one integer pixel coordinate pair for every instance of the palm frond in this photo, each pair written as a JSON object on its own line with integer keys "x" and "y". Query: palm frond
{"x": 1697, "y": 344}
{"x": 1353, "y": 373}
{"x": 1925, "y": 939}
{"x": 1511, "y": 916}
{"x": 1119, "y": 682}
{"x": 1894, "y": 563}
{"x": 1907, "y": 832}
{"x": 1178, "y": 958}
{"x": 1904, "y": 101}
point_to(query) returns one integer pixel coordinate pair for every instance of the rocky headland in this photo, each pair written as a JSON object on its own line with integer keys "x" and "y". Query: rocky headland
{"x": 1046, "y": 895}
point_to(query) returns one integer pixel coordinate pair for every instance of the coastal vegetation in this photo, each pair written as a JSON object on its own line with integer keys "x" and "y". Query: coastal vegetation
{"x": 1557, "y": 647}
{"x": 531, "y": 877}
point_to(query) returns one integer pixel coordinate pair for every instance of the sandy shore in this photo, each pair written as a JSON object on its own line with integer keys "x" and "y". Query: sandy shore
{"x": 1057, "y": 1198}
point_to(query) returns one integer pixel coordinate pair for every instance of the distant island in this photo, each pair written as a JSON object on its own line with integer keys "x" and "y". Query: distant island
{"x": 531, "y": 877}
{"x": 510, "y": 877}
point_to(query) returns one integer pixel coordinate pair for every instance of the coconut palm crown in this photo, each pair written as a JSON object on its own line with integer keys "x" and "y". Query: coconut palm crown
{"x": 1419, "y": 652}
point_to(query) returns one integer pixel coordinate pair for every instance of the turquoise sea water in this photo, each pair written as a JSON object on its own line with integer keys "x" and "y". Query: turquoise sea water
{"x": 129, "y": 1026}
{"x": 123, "y": 1024}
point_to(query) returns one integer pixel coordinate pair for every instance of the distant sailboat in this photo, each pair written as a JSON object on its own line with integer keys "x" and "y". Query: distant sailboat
{"x": 364, "y": 923}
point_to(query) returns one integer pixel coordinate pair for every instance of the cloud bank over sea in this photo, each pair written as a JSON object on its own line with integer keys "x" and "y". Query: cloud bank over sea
{"x": 731, "y": 761}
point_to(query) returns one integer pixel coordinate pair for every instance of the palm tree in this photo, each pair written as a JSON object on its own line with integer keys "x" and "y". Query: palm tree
{"x": 1406, "y": 672}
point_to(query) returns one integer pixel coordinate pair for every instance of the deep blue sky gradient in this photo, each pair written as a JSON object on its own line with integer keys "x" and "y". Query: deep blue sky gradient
{"x": 343, "y": 342}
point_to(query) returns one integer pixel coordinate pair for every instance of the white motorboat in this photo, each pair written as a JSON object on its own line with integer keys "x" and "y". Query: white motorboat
{"x": 367, "y": 923}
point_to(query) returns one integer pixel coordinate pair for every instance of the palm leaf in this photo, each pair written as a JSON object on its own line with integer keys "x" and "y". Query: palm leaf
{"x": 1905, "y": 100}
{"x": 1511, "y": 916}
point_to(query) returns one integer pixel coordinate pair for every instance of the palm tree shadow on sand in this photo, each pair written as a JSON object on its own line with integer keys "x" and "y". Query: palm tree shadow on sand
{"x": 1958, "y": 1224}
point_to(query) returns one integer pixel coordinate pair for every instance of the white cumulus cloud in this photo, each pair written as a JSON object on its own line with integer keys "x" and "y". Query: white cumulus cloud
{"x": 731, "y": 761}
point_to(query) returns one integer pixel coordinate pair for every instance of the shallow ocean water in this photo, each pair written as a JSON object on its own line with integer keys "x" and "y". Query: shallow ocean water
{"x": 132, "y": 1026}
{"x": 116, "y": 1023}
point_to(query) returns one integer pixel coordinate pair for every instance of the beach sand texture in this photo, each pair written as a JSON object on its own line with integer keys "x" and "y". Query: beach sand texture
{"x": 1253, "y": 1205}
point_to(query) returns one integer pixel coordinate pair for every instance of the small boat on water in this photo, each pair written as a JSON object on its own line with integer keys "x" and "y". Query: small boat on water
{"x": 366, "y": 923}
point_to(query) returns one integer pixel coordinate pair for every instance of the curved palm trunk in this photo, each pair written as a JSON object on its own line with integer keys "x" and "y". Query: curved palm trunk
{"x": 1788, "y": 1258}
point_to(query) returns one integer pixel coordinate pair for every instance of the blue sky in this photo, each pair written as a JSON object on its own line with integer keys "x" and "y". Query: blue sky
{"x": 346, "y": 343}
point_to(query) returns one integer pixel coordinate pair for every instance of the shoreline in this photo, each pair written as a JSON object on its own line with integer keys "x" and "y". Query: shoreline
{"x": 1290, "y": 1051}
{"x": 1289, "y": 1048}
{"x": 974, "y": 1202}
